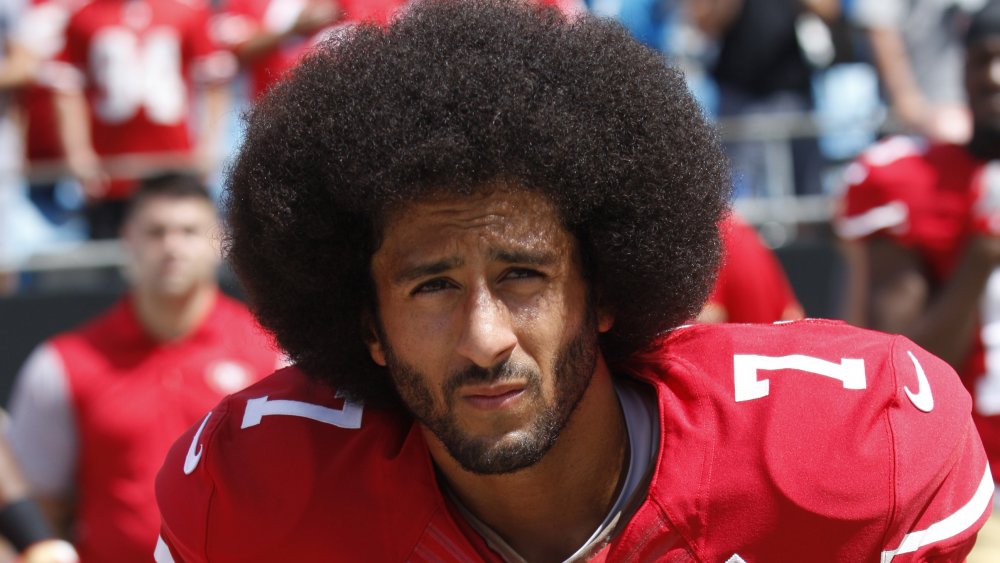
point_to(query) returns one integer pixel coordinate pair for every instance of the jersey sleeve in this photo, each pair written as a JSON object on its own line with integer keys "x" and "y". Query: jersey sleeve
{"x": 825, "y": 442}
{"x": 184, "y": 490}
{"x": 42, "y": 432}
{"x": 876, "y": 199}
{"x": 942, "y": 486}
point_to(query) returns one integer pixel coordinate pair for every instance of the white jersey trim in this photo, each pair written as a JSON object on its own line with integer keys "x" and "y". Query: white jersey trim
{"x": 162, "y": 553}
{"x": 890, "y": 215}
{"x": 956, "y": 523}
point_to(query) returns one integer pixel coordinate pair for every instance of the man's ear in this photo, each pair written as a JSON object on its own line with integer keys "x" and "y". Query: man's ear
{"x": 605, "y": 319}
{"x": 372, "y": 339}
{"x": 605, "y": 314}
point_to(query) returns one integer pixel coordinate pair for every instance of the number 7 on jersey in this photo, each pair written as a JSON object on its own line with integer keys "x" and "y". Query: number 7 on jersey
{"x": 850, "y": 372}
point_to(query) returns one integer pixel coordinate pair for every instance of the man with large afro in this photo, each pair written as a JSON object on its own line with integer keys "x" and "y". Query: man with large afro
{"x": 478, "y": 233}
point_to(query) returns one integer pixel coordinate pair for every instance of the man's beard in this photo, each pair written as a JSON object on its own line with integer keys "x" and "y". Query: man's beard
{"x": 574, "y": 369}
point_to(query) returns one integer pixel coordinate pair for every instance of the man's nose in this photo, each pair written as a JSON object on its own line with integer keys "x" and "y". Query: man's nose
{"x": 487, "y": 333}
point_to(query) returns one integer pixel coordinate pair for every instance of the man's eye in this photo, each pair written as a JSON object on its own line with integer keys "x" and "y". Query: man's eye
{"x": 431, "y": 286}
{"x": 522, "y": 273}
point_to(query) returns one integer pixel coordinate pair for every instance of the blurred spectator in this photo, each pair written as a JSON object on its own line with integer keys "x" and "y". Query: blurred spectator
{"x": 763, "y": 68}
{"x": 269, "y": 36}
{"x": 917, "y": 47}
{"x": 17, "y": 67}
{"x": 94, "y": 411}
{"x": 137, "y": 61}
{"x": 921, "y": 225}
{"x": 751, "y": 286}
{"x": 42, "y": 30}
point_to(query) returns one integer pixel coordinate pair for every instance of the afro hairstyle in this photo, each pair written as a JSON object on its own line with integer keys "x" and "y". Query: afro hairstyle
{"x": 451, "y": 96}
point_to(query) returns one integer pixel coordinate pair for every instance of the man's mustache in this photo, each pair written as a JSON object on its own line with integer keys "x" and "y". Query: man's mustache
{"x": 506, "y": 370}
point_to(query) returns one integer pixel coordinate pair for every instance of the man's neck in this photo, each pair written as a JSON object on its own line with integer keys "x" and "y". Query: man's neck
{"x": 547, "y": 511}
{"x": 171, "y": 317}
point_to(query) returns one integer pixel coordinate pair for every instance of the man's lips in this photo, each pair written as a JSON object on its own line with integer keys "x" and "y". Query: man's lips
{"x": 489, "y": 397}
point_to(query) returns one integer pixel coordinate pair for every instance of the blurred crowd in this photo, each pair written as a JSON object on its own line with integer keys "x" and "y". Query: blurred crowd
{"x": 100, "y": 94}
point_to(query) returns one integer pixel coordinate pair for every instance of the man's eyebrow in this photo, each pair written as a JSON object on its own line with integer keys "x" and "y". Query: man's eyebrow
{"x": 422, "y": 270}
{"x": 528, "y": 257}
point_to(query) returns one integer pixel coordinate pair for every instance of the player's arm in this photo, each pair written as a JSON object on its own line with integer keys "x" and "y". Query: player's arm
{"x": 907, "y": 100}
{"x": 42, "y": 434}
{"x": 215, "y": 100}
{"x": 18, "y": 67}
{"x": 73, "y": 127}
{"x": 898, "y": 297}
{"x": 22, "y": 523}
{"x": 211, "y": 70}
{"x": 282, "y": 22}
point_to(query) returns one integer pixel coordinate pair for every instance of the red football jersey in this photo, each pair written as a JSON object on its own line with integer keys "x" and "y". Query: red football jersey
{"x": 805, "y": 441}
{"x": 132, "y": 396}
{"x": 751, "y": 286}
{"x": 139, "y": 60}
{"x": 923, "y": 198}
{"x": 242, "y": 19}
{"x": 920, "y": 195}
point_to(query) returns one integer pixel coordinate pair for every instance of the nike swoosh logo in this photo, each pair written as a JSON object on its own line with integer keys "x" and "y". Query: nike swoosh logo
{"x": 194, "y": 455}
{"x": 923, "y": 399}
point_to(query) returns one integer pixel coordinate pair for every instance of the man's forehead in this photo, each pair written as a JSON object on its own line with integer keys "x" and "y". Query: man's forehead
{"x": 512, "y": 225}
{"x": 497, "y": 205}
{"x": 157, "y": 207}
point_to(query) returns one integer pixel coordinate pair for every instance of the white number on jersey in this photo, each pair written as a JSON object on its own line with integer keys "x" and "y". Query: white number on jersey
{"x": 850, "y": 372}
{"x": 348, "y": 416}
{"x": 132, "y": 73}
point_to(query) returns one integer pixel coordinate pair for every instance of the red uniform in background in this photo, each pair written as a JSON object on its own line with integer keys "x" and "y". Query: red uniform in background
{"x": 816, "y": 425}
{"x": 241, "y": 20}
{"x": 95, "y": 411}
{"x": 751, "y": 286}
{"x": 139, "y": 61}
{"x": 923, "y": 197}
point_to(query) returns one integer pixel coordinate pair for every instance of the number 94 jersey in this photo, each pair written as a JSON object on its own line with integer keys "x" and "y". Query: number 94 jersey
{"x": 139, "y": 61}
{"x": 806, "y": 441}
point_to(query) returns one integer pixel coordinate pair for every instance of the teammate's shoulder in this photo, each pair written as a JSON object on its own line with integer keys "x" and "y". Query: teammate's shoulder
{"x": 894, "y": 149}
{"x": 900, "y": 158}
{"x": 106, "y": 330}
